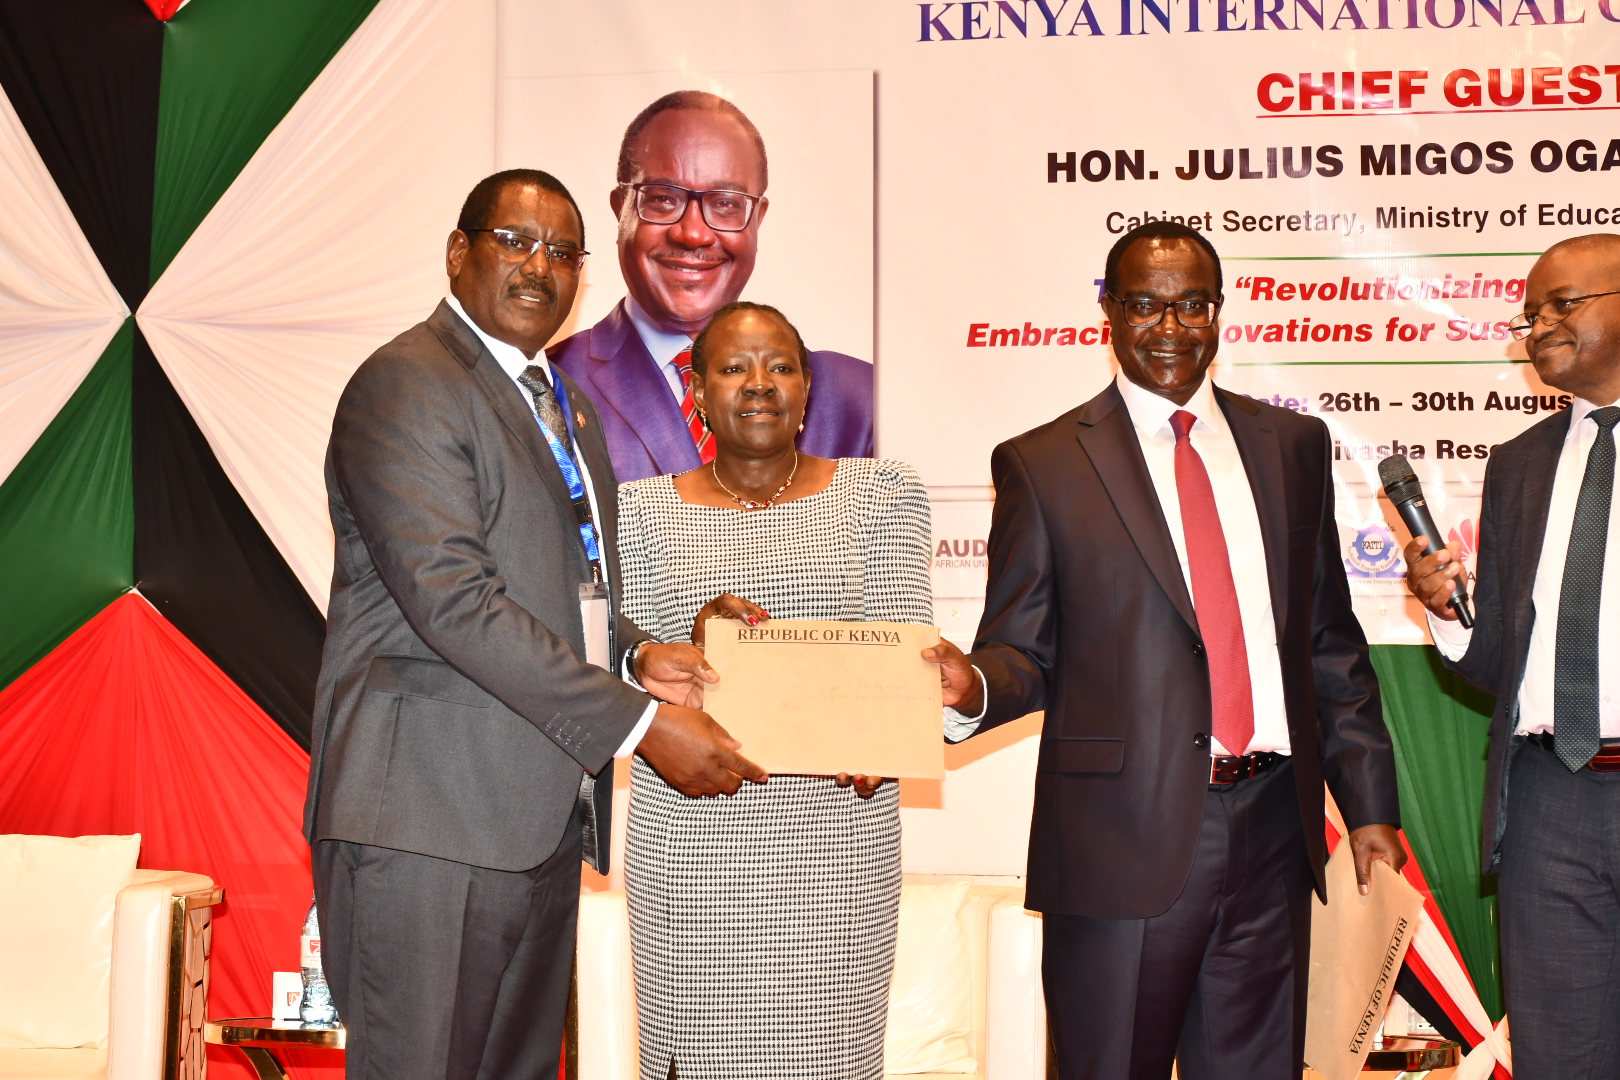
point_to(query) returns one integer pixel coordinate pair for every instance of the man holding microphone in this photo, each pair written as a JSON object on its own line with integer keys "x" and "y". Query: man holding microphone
{"x": 1546, "y": 642}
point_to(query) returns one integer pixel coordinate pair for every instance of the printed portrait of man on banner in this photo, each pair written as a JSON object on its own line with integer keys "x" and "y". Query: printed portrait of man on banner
{"x": 690, "y": 204}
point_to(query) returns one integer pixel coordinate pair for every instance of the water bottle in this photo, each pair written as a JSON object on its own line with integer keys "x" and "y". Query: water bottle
{"x": 315, "y": 1008}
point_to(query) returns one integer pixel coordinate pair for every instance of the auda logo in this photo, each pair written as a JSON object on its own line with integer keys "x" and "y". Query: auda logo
{"x": 960, "y": 549}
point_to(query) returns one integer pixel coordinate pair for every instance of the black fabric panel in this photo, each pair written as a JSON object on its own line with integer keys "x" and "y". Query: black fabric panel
{"x": 83, "y": 76}
{"x": 1408, "y": 986}
{"x": 204, "y": 561}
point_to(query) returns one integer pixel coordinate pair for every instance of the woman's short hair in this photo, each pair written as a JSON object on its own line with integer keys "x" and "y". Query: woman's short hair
{"x": 699, "y": 360}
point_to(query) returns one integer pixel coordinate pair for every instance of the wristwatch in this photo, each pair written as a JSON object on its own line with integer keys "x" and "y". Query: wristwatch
{"x": 630, "y": 661}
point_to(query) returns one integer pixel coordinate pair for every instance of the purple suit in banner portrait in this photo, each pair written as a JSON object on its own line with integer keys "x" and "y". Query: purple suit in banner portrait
{"x": 690, "y": 201}
{"x": 646, "y": 433}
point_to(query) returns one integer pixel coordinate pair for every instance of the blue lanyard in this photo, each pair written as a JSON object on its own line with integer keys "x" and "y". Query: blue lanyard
{"x": 576, "y": 483}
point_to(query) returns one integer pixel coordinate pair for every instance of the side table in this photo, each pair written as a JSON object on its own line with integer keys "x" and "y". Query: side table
{"x": 258, "y": 1036}
{"x": 1400, "y": 1053}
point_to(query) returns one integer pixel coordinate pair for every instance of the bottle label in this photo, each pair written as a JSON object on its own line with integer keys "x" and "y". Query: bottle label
{"x": 309, "y": 952}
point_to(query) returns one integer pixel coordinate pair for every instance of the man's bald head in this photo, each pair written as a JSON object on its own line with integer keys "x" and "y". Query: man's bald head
{"x": 696, "y": 101}
{"x": 1580, "y": 353}
{"x": 1601, "y": 247}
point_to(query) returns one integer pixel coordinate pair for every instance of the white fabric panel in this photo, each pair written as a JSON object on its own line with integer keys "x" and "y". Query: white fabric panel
{"x": 329, "y": 243}
{"x": 57, "y": 308}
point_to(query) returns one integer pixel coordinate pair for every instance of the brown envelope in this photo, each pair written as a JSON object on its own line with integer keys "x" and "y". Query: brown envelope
{"x": 1357, "y": 945}
{"x": 828, "y": 697}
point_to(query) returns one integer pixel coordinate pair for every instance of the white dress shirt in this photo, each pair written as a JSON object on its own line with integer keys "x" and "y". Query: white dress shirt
{"x": 663, "y": 346}
{"x": 1535, "y": 712}
{"x": 1240, "y": 523}
{"x": 512, "y": 361}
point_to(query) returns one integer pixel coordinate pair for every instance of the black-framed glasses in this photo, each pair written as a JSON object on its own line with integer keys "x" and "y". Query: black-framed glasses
{"x": 520, "y": 247}
{"x": 1552, "y": 313}
{"x": 665, "y": 204}
{"x": 1144, "y": 311}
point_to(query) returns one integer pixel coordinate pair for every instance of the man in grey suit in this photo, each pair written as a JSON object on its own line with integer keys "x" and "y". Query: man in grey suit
{"x": 1546, "y": 642}
{"x": 470, "y": 702}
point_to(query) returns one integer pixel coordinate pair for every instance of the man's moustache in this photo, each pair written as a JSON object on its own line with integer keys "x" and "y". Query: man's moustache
{"x": 537, "y": 286}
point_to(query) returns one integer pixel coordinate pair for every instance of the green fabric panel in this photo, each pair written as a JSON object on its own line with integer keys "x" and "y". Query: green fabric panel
{"x": 67, "y": 517}
{"x": 1440, "y": 726}
{"x": 231, "y": 70}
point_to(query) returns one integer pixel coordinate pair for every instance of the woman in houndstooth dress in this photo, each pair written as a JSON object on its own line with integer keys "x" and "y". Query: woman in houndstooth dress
{"x": 763, "y": 925}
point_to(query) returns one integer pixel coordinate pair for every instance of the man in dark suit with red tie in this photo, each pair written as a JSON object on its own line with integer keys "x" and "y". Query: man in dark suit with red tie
{"x": 1166, "y": 583}
{"x": 690, "y": 203}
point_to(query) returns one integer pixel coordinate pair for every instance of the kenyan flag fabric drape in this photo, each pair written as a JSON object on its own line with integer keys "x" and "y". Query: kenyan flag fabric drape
{"x": 213, "y": 211}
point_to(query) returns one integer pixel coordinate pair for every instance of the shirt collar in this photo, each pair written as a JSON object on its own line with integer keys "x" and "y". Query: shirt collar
{"x": 510, "y": 357}
{"x": 662, "y": 346}
{"x": 1150, "y": 413}
{"x": 1580, "y": 409}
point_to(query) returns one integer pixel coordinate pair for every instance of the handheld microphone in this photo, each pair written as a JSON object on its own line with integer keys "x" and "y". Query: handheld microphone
{"x": 1402, "y": 487}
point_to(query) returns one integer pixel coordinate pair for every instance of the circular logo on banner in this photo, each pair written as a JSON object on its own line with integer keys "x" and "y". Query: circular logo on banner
{"x": 1374, "y": 553}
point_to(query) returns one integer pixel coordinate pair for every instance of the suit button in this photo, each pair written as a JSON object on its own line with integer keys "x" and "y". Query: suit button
{"x": 1198, "y": 648}
{"x": 1201, "y": 740}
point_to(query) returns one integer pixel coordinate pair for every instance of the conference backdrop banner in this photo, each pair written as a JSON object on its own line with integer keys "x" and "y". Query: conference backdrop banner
{"x": 1378, "y": 176}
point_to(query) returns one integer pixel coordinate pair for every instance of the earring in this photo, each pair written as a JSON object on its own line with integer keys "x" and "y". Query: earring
{"x": 801, "y": 425}
{"x": 704, "y": 418}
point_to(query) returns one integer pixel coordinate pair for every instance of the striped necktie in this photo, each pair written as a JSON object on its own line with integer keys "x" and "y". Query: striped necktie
{"x": 702, "y": 438}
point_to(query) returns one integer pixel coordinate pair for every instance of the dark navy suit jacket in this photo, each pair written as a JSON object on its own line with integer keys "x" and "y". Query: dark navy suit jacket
{"x": 1087, "y": 616}
{"x": 646, "y": 434}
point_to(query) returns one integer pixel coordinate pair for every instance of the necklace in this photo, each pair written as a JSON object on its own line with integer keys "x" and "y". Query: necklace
{"x": 754, "y": 504}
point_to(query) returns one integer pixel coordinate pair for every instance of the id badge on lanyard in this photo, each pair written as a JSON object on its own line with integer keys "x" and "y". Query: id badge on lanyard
{"x": 594, "y": 616}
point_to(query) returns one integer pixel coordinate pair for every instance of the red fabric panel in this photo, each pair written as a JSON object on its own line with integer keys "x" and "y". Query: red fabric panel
{"x": 126, "y": 727}
{"x": 1414, "y": 877}
{"x": 164, "y": 9}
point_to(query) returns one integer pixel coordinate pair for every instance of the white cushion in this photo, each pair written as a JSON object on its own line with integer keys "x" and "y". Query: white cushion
{"x": 931, "y": 994}
{"x": 57, "y": 898}
{"x": 53, "y": 1064}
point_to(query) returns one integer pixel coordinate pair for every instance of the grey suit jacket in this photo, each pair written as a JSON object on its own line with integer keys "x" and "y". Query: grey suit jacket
{"x": 455, "y": 715}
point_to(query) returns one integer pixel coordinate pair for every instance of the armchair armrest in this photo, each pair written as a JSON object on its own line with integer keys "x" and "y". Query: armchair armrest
{"x": 161, "y": 936}
{"x": 609, "y": 1043}
{"x": 1016, "y": 1011}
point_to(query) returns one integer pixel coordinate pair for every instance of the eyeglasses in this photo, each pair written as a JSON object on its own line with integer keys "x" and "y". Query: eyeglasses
{"x": 1551, "y": 313}
{"x": 1142, "y": 311}
{"x": 665, "y": 204}
{"x": 518, "y": 247}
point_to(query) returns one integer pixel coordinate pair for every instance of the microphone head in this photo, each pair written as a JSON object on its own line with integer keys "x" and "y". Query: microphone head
{"x": 1400, "y": 482}
{"x": 1395, "y": 469}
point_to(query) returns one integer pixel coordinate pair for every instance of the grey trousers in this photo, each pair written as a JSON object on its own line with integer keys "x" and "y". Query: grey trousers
{"x": 1217, "y": 983}
{"x": 1559, "y": 900}
{"x": 444, "y": 971}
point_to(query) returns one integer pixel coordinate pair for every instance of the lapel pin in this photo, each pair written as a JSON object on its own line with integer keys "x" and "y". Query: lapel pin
{"x": 579, "y": 418}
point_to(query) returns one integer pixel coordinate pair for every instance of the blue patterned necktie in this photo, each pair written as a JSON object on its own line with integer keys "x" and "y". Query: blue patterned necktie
{"x": 1576, "y": 731}
{"x": 554, "y": 426}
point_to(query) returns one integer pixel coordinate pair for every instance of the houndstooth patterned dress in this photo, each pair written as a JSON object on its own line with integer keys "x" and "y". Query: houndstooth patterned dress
{"x": 763, "y": 925}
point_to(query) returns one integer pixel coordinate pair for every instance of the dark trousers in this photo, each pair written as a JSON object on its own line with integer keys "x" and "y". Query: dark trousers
{"x": 1218, "y": 982}
{"x": 444, "y": 971}
{"x": 1559, "y": 898}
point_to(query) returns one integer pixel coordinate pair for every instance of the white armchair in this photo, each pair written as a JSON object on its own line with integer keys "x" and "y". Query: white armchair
{"x": 1003, "y": 949}
{"x": 162, "y": 927}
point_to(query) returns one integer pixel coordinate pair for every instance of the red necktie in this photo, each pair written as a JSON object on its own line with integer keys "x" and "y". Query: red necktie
{"x": 1215, "y": 599}
{"x": 701, "y": 437}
